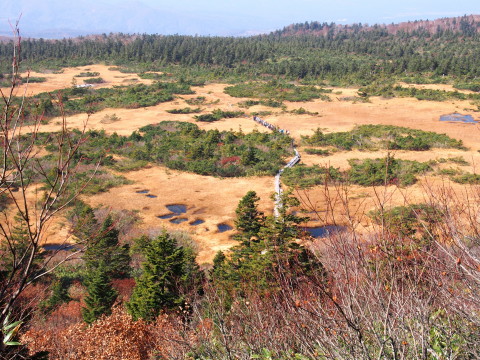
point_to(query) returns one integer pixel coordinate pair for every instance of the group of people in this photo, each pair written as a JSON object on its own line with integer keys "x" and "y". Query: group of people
{"x": 270, "y": 126}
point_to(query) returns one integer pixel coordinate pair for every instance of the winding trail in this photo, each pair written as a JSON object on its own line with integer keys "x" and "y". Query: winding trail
{"x": 278, "y": 185}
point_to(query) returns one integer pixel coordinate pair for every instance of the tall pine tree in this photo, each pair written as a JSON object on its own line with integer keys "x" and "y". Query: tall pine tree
{"x": 100, "y": 295}
{"x": 163, "y": 274}
{"x": 105, "y": 249}
{"x": 249, "y": 219}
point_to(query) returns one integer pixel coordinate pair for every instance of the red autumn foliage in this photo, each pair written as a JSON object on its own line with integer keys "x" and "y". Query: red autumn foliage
{"x": 117, "y": 336}
{"x": 230, "y": 160}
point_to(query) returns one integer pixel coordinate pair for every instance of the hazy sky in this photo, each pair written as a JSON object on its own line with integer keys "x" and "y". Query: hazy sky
{"x": 58, "y": 18}
{"x": 288, "y": 11}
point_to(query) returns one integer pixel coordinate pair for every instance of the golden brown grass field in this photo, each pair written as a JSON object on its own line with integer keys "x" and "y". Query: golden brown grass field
{"x": 214, "y": 200}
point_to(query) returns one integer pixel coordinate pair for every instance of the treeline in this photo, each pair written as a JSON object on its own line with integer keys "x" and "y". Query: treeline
{"x": 338, "y": 55}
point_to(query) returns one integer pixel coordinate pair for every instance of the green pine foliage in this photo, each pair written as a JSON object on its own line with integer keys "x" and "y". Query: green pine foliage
{"x": 408, "y": 220}
{"x": 105, "y": 251}
{"x": 15, "y": 254}
{"x": 167, "y": 272}
{"x": 278, "y": 91}
{"x": 374, "y": 137}
{"x": 249, "y": 219}
{"x": 301, "y": 176}
{"x": 354, "y": 54}
{"x": 267, "y": 250}
{"x": 371, "y": 172}
{"x": 100, "y": 294}
{"x": 183, "y": 146}
{"x": 218, "y": 114}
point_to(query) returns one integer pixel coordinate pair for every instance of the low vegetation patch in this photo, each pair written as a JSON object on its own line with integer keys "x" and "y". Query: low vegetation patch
{"x": 97, "y": 80}
{"x": 185, "y": 110}
{"x": 374, "y": 137}
{"x": 371, "y": 172}
{"x": 468, "y": 178}
{"x": 321, "y": 152}
{"x": 275, "y": 90}
{"x": 183, "y": 146}
{"x": 199, "y": 100}
{"x": 268, "y": 102}
{"x": 389, "y": 90}
{"x": 218, "y": 114}
{"x": 368, "y": 172}
{"x": 302, "y": 111}
{"x": 35, "y": 79}
{"x": 88, "y": 74}
{"x": 110, "y": 118}
{"x": 407, "y": 220}
{"x": 302, "y": 176}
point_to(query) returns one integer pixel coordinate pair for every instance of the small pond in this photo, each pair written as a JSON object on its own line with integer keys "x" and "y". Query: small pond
{"x": 178, "y": 220}
{"x": 166, "y": 216}
{"x": 324, "y": 231}
{"x": 58, "y": 247}
{"x": 224, "y": 227}
{"x": 142, "y": 191}
{"x": 151, "y": 196}
{"x": 177, "y": 208}
{"x": 197, "y": 222}
{"x": 456, "y": 117}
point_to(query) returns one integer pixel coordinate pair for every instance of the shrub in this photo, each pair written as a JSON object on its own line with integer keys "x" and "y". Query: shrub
{"x": 321, "y": 152}
{"x": 371, "y": 137}
{"x": 307, "y": 176}
{"x": 371, "y": 172}
{"x": 218, "y": 114}
{"x": 276, "y": 91}
{"x": 186, "y": 110}
{"x": 88, "y": 74}
{"x": 472, "y": 179}
{"x": 97, "y": 80}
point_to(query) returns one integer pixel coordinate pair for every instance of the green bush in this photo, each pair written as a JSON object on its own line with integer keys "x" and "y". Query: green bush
{"x": 276, "y": 91}
{"x": 471, "y": 179}
{"x": 373, "y": 137}
{"x": 372, "y": 172}
{"x": 218, "y": 114}
{"x": 320, "y": 152}
{"x": 185, "y": 110}
{"x": 88, "y": 74}
{"x": 302, "y": 176}
{"x": 97, "y": 80}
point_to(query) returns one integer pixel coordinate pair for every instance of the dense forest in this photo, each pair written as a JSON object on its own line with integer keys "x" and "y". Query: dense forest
{"x": 357, "y": 53}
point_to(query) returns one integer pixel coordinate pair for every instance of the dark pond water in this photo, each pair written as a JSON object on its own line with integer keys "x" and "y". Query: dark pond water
{"x": 178, "y": 220}
{"x": 224, "y": 227}
{"x": 166, "y": 216}
{"x": 151, "y": 196}
{"x": 58, "y": 247}
{"x": 142, "y": 191}
{"x": 456, "y": 117}
{"x": 197, "y": 222}
{"x": 324, "y": 231}
{"x": 177, "y": 208}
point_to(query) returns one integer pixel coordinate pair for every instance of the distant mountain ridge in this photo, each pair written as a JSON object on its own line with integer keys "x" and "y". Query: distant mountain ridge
{"x": 467, "y": 24}
{"x": 88, "y": 17}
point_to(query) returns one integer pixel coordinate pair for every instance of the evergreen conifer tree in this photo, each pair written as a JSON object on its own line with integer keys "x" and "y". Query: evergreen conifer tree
{"x": 101, "y": 295}
{"x": 159, "y": 285}
{"x": 249, "y": 219}
{"x": 105, "y": 249}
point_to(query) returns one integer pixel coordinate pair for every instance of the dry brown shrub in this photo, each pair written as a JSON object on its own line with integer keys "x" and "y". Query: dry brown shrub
{"x": 116, "y": 336}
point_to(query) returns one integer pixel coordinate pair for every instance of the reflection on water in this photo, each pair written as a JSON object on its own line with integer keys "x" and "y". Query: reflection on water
{"x": 178, "y": 220}
{"x": 324, "y": 231}
{"x": 177, "y": 208}
{"x": 223, "y": 227}
{"x": 197, "y": 222}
